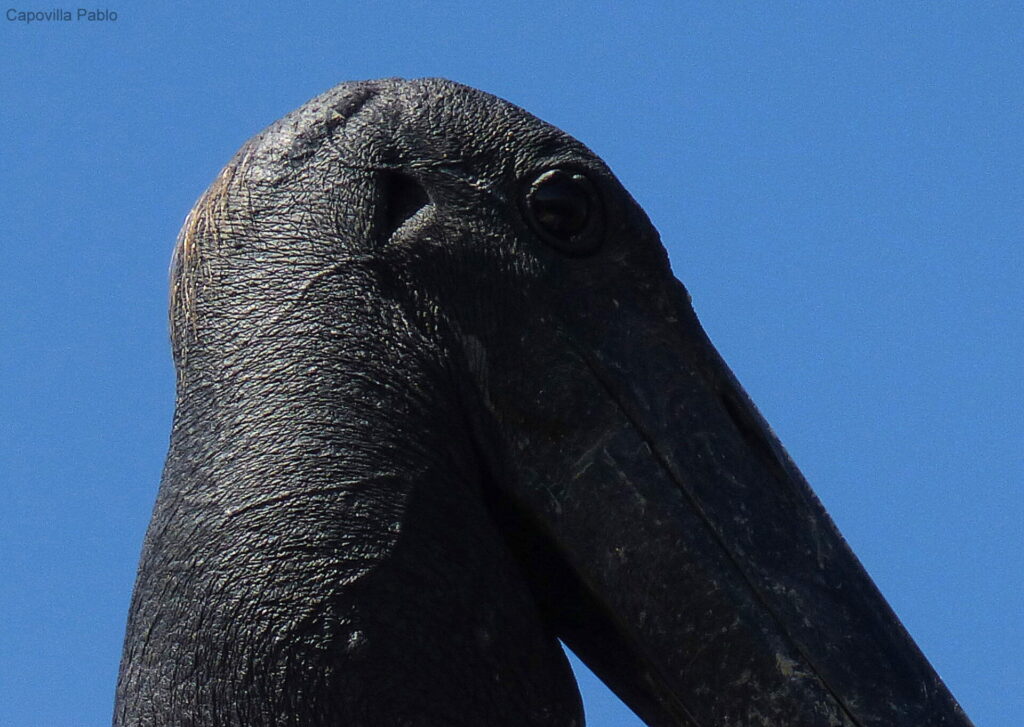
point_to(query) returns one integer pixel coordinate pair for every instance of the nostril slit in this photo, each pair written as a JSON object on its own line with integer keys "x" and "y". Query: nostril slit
{"x": 401, "y": 197}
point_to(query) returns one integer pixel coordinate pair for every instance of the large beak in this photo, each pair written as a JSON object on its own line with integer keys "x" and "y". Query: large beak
{"x": 709, "y": 585}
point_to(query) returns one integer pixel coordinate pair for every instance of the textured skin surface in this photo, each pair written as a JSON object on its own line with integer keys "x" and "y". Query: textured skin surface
{"x": 414, "y": 445}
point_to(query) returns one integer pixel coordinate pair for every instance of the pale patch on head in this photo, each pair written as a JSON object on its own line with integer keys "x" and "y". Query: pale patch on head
{"x": 199, "y": 237}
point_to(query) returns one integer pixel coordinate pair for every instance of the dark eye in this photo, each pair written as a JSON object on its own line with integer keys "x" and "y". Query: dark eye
{"x": 565, "y": 209}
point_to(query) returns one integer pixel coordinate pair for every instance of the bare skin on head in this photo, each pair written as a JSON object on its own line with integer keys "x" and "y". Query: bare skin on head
{"x": 441, "y": 403}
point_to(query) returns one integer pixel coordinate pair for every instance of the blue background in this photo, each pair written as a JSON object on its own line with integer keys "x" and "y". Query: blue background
{"x": 839, "y": 185}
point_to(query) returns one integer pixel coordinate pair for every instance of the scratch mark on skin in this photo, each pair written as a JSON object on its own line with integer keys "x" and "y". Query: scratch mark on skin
{"x": 285, "y": 496}
{"x": 310, "y": 283}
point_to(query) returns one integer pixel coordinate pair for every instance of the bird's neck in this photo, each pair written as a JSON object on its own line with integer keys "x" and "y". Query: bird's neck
{"x": 322, "y": 549}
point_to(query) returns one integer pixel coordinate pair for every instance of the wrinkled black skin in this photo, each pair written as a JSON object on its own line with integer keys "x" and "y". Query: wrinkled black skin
{"x": 383, "y": 504}
{"x": 322, "y": 550}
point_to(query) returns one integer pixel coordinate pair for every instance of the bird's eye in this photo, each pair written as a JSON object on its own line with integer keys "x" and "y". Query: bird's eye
{"x": 565, "y": 209}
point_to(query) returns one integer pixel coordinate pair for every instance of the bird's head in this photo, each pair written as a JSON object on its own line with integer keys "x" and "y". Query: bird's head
{"x": 454, "y": 243}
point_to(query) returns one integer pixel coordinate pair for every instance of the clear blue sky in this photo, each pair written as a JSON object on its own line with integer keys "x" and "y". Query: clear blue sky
{"x": 839, "y": 184}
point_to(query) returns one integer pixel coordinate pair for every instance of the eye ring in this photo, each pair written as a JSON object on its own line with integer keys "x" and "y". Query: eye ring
{"x": 564, "y": 208}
